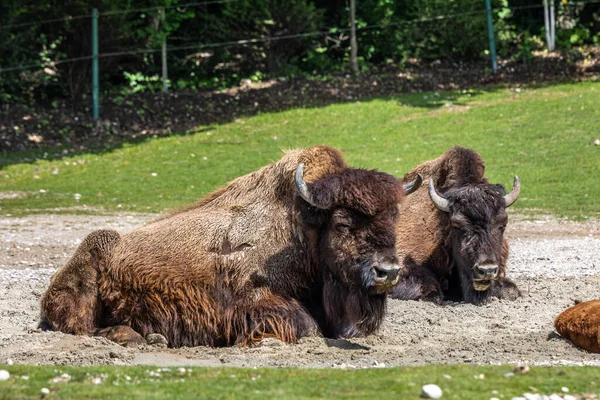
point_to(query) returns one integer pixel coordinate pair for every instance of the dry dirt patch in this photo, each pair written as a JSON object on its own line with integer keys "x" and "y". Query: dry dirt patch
{"x": 553, "y": 262}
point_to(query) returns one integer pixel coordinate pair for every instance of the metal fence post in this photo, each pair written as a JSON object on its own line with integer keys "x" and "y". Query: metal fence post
{"x": 95, "y": 80}
{"x": 165, "y": 75}
{"x": 353, "y": 42}
{"x": 490, "y": 24}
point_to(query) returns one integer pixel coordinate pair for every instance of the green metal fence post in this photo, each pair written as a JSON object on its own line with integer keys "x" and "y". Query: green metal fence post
{"x": 490, "y": 24}
{"x": 95, "y": 80}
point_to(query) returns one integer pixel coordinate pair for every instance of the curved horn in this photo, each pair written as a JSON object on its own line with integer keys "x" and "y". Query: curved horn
{"x": 438, "y": 200}
{"x": 412, "y": 186}
{"x": 514, "y": 194}
{"x": 303, "y": 188}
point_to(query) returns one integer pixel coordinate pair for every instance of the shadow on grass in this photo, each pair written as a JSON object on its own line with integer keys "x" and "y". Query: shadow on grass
{"x": 144, "y": 116}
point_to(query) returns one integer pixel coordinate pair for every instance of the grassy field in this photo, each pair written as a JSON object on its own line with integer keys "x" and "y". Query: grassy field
{"x": 457, "y": 382}
{"x": 545, "y": 135}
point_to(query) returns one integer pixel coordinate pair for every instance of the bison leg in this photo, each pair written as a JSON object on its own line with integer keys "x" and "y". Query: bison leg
{"x": 71, "y": 304}
{"x": 268, "y": 316}
{"x": 418, "y": 284}
{"x": 504, "y": 288}
{"x": 121, "y": 334}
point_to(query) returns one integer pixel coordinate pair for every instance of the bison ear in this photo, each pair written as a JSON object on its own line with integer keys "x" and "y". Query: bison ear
{"x": 311, "y": 215}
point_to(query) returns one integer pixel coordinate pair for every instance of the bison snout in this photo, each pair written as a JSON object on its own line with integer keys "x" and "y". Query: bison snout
{"x": 486, "y": 271}
{"x": 386, "y": 274}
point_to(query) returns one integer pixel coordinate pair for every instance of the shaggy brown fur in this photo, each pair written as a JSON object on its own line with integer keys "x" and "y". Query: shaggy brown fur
{"x": 581, "y": 325}
{"x": 251, "y": 260}
{"x": 438, "y": 249}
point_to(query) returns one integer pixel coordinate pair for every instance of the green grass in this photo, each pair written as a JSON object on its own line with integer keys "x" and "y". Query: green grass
{"x": 457, "y": 382}
{"x": 543, "y": 134}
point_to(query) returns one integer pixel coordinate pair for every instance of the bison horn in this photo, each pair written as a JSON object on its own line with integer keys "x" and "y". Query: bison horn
{"x": 414, "y": 185}
{"x": 303, "y": 187}
{"x": 439, "y": 201}
{"x": 514, "y": 194}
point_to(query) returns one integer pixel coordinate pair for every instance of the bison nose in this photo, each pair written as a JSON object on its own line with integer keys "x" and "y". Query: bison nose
{"x": 386, "y": 273}
{"x": 486, "y": 271}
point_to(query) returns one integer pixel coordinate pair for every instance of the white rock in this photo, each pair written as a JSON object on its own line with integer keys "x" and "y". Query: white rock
{"x": 565, "y": 389}
{"x": 431, "y": 391}
{"x": 4, "y": 375}
{"x": 45, "y": 391}
{"x": 554, "y": 396}
{"x": 569, "y": 397}
{"x": 9, "y": 362}
{"x": 532, "y": 396}
{"x": 597, "y": 142}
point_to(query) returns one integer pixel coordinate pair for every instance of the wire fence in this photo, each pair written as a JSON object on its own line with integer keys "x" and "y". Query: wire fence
{"x": 223, "y": 44}
{"x": 200, "y": 45}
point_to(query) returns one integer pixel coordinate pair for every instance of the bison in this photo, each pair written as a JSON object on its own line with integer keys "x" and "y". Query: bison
{"x": 303, "y": 245}
{"x": 451, "y": 233}
{"x": 581, "y": 325}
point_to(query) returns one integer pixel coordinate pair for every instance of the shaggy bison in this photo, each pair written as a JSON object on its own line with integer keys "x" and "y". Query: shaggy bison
{"x": 304, "y": 243}
{"x": 451, "y": 233}
{"x": 581, "y": 325}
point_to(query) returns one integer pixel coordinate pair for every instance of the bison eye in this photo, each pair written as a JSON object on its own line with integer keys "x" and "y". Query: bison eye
{"x": 342, "y": 228}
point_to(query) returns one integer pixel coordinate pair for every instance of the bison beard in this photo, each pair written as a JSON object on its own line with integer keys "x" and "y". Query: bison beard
{"x": 257, "y": 258}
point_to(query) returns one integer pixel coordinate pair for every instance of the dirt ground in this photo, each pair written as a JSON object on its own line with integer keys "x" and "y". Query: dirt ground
{"x": 553, "y": 262}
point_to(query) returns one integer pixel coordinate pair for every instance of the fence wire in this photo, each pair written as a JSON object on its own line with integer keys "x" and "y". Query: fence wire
{"x": 197, "y": 46}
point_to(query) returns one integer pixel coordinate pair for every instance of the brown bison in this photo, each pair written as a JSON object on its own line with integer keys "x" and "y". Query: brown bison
{"x": 451, "y": 233}
{"x": 581, "y": 325}
{"x": 303, "y": 243}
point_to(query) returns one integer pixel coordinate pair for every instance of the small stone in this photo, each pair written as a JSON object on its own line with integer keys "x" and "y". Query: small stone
{"x": 4, "y": 375}
{"x": 509, "y": 374}
{"x": 431, "y": 391}
{"x": 45, "y": 391}
{"x": 569, "y": 397}
{"x": 521, "y": 369}
{"x": 271, "y": 342}
{"x": 157, "y": 339}
{"x": 9, "y": 362}
{"x": 565, "y": 389}
{"x": 532, "y": 396}
{"x": 597, "y": 142}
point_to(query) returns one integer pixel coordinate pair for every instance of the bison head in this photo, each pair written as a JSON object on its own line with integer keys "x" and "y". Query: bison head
{"x": 355, "y": 212}
{"x": 478, "y": 218}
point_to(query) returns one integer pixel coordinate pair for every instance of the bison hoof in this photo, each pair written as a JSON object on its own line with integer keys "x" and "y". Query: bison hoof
{"x": 156, "y": 339}
{"x": 123, "y": 335}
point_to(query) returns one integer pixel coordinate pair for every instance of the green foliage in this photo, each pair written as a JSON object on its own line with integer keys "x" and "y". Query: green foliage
{"x": 273, "y": 37}
{"x": 140, "y": 83}
{"x": 259, "y": 19}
